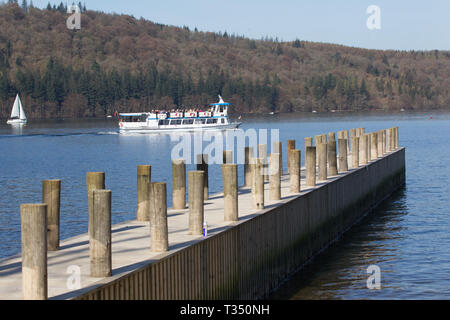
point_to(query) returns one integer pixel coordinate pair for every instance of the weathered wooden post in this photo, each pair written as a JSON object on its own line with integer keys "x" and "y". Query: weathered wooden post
{"x": 311, "y": 166}
{"x": 322, "y": 153}
{"x": 202, "y": 165}
{"x": 278, "y": 149}
{"x": 363, "y": 150}
{"x": 258, "y": 178}
{"x": 380, "y": 143}
{"x": 144, "y": 174}
{"x": 295, "y": 174}
{"x": 196, "y": 202}
{"x": 274, "y": 177}
{"x": 373, "y": 146}
{"x": 159, "y": 231}
{"x": 384, "y": 141}
{"x": 332, "y": 158}
{"x": 94, "y": 181}
{"x": 388, "y": 140}
{"x": 343, "y": 158}
{"x": 34, "y": 251}
{"x": 317, "y": 141}
{"x": 355, "y": 152}
{"x": 308, "y": 142}
{"x": 100, "y": 241}
{"x": 230, "y": 192}
{"x": 247, "y": 166}
{"x": 227, "y": 156}
{"x": 291, "y": 146}
{"x": 331, "y": 136}
{"x": 51, "y": 196}
{"x": 262, "y": 154}
{"x": 393, "y": 139}
{"x": 396, "y": 138}
{"x": 179, "y": 184}
{"x": 347, "y": 137}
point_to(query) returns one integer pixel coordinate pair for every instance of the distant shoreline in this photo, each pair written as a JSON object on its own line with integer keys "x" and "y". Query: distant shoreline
{"x": 259, "y": 114}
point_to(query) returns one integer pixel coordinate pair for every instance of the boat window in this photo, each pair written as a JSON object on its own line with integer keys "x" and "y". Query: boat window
{"x": 175, "y": 122}
{"x": 200, "y": 121}
{"x": 211, "y": 121}
{"x": 223, "y": 121}
{"x": 164, "y": 122}
{"x": 188, "y": 121}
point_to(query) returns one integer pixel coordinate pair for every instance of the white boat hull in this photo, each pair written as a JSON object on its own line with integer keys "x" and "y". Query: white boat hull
{"x": 16, "y": 122}
{"x": 179, "y": 128}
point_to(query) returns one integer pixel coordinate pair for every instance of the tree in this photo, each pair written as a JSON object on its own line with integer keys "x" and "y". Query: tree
{"x": 25, "y": 5}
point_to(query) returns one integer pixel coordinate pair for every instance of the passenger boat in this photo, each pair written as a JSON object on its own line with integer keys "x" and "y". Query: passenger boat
{"x": 214, "y": 117}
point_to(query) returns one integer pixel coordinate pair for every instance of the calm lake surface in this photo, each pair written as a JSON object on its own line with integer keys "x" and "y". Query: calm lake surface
{"x": 408, "y": 236}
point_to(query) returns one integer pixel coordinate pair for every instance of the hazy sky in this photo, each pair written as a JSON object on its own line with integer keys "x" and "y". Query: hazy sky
{"x": 405, "y": 24}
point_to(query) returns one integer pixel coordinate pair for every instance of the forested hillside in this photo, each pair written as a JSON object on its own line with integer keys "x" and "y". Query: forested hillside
{"x": 119, "y": 63}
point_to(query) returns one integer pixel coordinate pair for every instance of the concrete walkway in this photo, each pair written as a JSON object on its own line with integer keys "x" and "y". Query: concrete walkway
{"x": 130, "y": 246}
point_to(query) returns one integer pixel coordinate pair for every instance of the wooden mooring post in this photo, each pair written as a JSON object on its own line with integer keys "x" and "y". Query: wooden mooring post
{"x": 179, "y": 184}
{"x": 230, "y": 192}
{"x": 144, "y": 173}
{"x": 100, "y": 240}
{"x": 34, "y": 251}
{"x": 196, "y": 202}
{"x": 51, "y": 196}
{"x": 159, "y": 231}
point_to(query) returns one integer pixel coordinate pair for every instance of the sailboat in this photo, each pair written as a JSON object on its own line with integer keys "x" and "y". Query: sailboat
{"x": 17, "y": 114}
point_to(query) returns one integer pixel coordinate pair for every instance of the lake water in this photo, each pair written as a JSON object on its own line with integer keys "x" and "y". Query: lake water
{"x": 408, "y": 236}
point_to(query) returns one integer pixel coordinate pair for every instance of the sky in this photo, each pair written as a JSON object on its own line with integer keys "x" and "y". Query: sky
{"x": 403, "y": 24}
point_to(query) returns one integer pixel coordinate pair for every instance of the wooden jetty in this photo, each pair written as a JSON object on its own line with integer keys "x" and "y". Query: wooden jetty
{"x": 257, "y": 235}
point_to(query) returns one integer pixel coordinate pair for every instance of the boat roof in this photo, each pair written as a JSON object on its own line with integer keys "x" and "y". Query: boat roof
{"x": 132, "y": 114}
{"x": 219, "y": 104}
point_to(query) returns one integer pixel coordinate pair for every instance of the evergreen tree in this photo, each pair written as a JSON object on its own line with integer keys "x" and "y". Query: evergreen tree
{"x": 25, "y": 5}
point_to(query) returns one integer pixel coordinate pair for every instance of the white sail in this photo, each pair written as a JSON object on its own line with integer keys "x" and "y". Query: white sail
{"x": 22, "y": 112}
{"x": 15, "y": 113}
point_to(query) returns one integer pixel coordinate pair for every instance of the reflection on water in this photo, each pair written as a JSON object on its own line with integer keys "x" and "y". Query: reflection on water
{"x": 408, "y": 236}
{"x": 341, "y": 271}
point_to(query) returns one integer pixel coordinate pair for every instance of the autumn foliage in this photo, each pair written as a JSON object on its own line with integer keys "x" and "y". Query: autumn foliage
{"x": 119, "y": 63}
